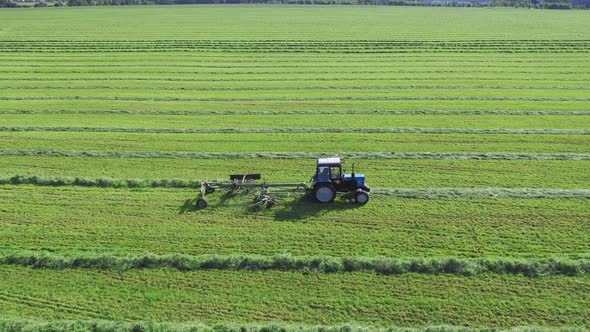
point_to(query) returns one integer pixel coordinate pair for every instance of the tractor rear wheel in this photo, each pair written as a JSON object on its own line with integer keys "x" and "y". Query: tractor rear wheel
{"x": 201, "y": 203}
{"x": 324, "y": 192}
{"x": 361, "y": 197}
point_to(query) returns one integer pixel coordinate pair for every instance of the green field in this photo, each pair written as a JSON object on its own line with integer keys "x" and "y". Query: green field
{"x": 472, "y": 126}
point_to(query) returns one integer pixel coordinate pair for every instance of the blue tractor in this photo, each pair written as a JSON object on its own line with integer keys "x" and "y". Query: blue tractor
{"x": 329, "y": 180}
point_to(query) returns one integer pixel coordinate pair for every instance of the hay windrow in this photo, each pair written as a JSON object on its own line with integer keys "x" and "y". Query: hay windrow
{"x": 21, "y": 325}
{"x": 317, "y": 264}
{"x": 298, "y": 130}
{"x": 296, "y": 155}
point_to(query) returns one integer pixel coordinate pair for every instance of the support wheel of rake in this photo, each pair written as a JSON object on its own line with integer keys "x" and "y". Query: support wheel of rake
{"x": 361, "y": 197}
{"x": 201, "y": 203}
{"x": 209, "y": 190}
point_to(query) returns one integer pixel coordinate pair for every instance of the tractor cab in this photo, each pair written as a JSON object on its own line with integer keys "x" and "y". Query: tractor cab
{"x": 328, "y": 180}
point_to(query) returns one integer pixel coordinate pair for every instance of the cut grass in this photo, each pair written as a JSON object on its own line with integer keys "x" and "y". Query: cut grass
{"x": 421, "y": 193}
{"x": 294, "y": 23}
{"x": 304, "y": 119}
{"x": 290, "y": 105}
{"x": 380, "y": 173}
{"x": 248, "y": 296}
{"x": 163, "y": 221}
{"x": 293, "y": 145}
{"x": 222, "y": 62}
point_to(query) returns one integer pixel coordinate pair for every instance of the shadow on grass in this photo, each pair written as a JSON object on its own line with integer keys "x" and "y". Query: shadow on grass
{"x": 188, "y": 206}
{"x": 286, "y": 209}
{"x": 305, "y": 207}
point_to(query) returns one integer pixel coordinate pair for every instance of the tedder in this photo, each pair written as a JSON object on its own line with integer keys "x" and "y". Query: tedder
{"x": 327, "y": 181}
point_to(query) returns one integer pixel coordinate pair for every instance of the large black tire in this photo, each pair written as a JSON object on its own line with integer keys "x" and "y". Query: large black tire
{"x": 324, "y": 192}
{"x": 201, "y": 203}
{"x": 361, "y": 197}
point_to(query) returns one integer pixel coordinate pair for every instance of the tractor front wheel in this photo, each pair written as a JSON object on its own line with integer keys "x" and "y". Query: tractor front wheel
{"x": 361, "y": 197}
{"x": 324, "y": 192}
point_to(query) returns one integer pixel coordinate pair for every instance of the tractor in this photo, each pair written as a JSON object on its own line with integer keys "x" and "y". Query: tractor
{"x": 329, "y": 180}
{"x": 326, "y": 183}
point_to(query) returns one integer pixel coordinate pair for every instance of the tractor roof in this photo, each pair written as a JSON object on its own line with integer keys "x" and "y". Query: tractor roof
{"x": 329, "y": 162}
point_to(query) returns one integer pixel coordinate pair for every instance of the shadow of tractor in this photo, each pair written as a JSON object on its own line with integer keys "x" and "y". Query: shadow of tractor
{"x": 306, "y": 208}
{"x": 286, "y": 209}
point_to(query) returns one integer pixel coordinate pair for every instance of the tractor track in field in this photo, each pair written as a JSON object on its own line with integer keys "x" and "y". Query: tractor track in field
{"x": 299, "y": 130}
{"x": 296, "y": 155}
{"x": 36, "y": 302}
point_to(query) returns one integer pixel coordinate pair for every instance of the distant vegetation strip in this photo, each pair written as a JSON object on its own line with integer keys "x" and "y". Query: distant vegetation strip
{"x": 297, "y": 155}
{"x": 297, "y": 130}
{"x": 419, "y": 193}
{"x": 289, "y": 112}
{"x": 344, "y": 98}
{"x": 322, "y": 264}
{"x": 18, "y": 325}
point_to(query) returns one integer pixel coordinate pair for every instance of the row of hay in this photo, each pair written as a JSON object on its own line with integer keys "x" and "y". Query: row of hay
{"x": 304, "y": 112}
{"x": 300, "y": 130}
{"x": 419, "y": 193}
{"x": 296, "y": 155}
{"x": 16, "y": 325}
{"x": 317, "y": 264}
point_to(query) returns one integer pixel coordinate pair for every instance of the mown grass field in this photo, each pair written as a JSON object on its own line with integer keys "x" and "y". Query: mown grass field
{"x": 472, "y": 125}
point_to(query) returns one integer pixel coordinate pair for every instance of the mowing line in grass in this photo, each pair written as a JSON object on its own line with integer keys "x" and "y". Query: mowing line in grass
{"x": 330, "y": 298}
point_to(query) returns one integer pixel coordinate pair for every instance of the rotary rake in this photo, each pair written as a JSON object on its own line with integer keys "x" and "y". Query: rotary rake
{"x": 264, "y": 193}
